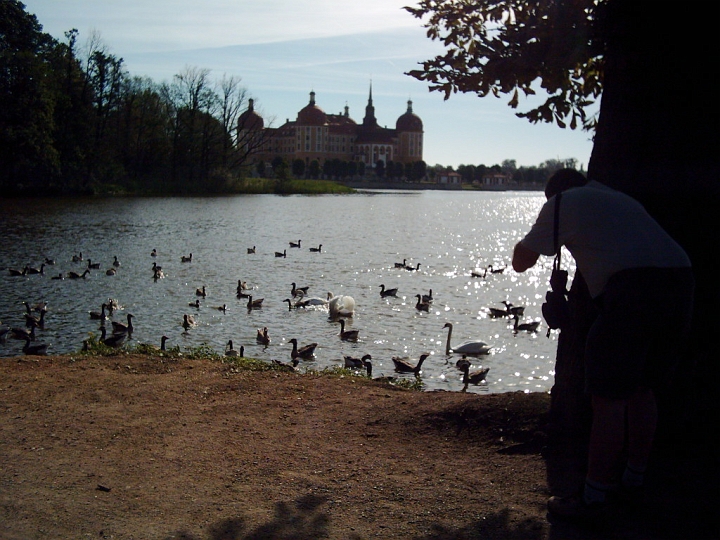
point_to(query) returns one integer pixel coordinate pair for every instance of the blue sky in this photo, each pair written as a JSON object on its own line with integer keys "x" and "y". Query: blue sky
{"x": 283, "y": 49}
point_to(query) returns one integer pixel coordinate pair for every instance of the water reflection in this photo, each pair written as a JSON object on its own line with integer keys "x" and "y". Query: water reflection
{"x": 451, "y": 235}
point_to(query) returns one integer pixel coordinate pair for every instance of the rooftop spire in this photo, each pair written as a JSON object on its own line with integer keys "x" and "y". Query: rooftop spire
{"x": 369, "y": 120}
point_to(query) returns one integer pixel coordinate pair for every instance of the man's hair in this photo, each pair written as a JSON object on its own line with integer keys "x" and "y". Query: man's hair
{"x": 562, "y": 180}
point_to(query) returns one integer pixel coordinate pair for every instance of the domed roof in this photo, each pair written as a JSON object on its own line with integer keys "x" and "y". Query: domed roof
{"x": 250, "y": 120}
{"x": 311, "y": 114}
{"x": 409, "y": 121}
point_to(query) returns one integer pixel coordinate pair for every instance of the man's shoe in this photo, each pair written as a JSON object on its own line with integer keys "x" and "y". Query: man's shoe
{"x": 575, "y": 509}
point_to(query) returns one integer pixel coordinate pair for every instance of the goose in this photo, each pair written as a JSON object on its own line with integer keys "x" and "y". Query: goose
{"x": 188, "y": 322}
{"x": 242, "y": 286}
{"x": 162, "y": 347}
{"x": 295, "y": 245}
{"x": 243, "y": 294}
{"x": 401, "y": 265}
{"x": 59, "y": 276}
{"x": 115, "y": 261}
{"x": 32, "y": 321}
{"x": 299, "y": 290}
{"x": 195, "y": 304}
{"x": 341, "y": 305}
{"x": 114, "y": 340}
{"x": 38, "y": 349}
{"x": 184, "y": 259}
{"x": 254, "y": 304}
{"x": 112, "y": 304}
{"x": 4, "y": 331}
{"x": 93, "y": 266}
{"x": 201, "y": 292}
{"x": 474, "y": 377}
{"x": 78, "y": 257}
{"x": 251, "y": 250}
{"x": 283, "y": 254}
{"x": 428, "y": 297}
{"x": 229, "y": 351}
{"x": 282, "y": 366}
{"x": 353, "y": 363}
{"x": 290, "y": 304}
{"x": 498, "y": 313}
{"x": 31, "y": 270}
{"x": 368, "y": 367}
{"x": 413, "y": 268}
{"x": 402, "y": 365}
{"x": 75, "y": 275}
{"x": 156, "y": 267}
{"x": 16, "y": 272}
{"x": 49, "y": 261}
{"x": 158, "y": 274}
{"x": 527, "y": 327}
{"x": 384, "y": 293}
{"x": 420, "y": 305}
{"x": 122, "y": 328}
{"x": 263, "y": 336}
{"x": 99, "y": 315}
{"x": 347, "y": 335}
{"x": 305, "y": 352}
{"x": 153, "y": 253}
{"x": 512, "y": 310}
{"x": 472, "y": 348}
{"x": 316, "y": 249}
{"x": 222, "y": 308}
{"x": 111, "y": 271}
{"x": 23, "y": 333}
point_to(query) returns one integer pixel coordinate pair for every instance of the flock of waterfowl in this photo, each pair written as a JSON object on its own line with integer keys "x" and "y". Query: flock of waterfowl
{"x": 339, "y": 308}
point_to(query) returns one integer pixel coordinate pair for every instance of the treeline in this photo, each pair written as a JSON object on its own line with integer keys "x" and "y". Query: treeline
{"x": 75, "y": 122}
{"x": 523, "y": 175}
{"x": 337, "y": 169}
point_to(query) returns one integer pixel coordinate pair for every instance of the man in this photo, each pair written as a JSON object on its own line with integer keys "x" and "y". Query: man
{"x": 642, "y": 283}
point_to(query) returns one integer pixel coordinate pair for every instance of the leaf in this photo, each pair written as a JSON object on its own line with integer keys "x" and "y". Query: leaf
{"x": 514, "y": 101}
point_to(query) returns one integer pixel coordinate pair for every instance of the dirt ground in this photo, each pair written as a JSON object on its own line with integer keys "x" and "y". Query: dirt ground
{"x": 144, "y": 447}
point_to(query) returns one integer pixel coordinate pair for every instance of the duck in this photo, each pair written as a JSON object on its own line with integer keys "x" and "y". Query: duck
{"x": 341, "y": 305}
{"x": 37, "y": 349}
{"x": 31, "y": 270}
{"x": 153, "y": 253}
{"x": 122, "y": 328}
{"x": 384, "y": 293}
{"x": 283, "y": 254}
{"x": 113, "y": 340}
{"x": 93, "y": 266}
{"x": 16, "y": 272}
{"x": 263, "y": 337}
{"x": 188, "y": 322}
{"x": 230, "y": 351}
{"x": 420, "y": 305}
{"x": 78, "y": 257}
{"x": 185, "y": 259}
{"x": 195, "y": 304}
{"x": 413, "y": 268}
{"x": 527, "y": 327}
{"x": 316, "y": 249}
{"x": 201, "y": 292}
{"x": 403, "y": 365}
{"x": 251, "y": 250}
{"x": 298, "y": 290}
{"x": 401, "y": 265}
{"x": 282, "y": 366}
{"x": 305, "y": 352}
{"x": 347, "y": 335}
{"x": 472, "y": 348}
{"x": 99, "y": 315}
{"x": 75, "y": 275}
{"x": 294, "y": 244}
{"x": 116, "y": 263}
{"x": 474, "y": 377}
{"x": 254, "y": 304}
{"x": 353, "y": 363}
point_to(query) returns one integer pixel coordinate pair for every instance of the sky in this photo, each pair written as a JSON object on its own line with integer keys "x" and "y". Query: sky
{"x": 283, "y": 49}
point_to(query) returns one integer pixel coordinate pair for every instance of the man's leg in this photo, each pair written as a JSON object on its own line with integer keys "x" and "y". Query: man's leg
{"x": 607, "y": 439}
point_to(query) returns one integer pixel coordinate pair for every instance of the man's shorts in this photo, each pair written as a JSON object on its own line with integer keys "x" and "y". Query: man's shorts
{"x": 639, "y": 335}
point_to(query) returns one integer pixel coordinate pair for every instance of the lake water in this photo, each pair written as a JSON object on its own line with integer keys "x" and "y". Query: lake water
{"x": 449, "y": 233}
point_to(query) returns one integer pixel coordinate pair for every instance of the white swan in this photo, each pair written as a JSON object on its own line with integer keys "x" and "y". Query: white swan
{"x": 341, "y": 305}
{"x": 472, "y": 348}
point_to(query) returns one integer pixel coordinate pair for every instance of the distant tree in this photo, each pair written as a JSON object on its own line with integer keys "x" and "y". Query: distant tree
{"x": 419, "y": 170}
{"x": 380, "y": 168}
{"x": 314, "y": 169}
{"x": 352, "y": 169}
{"x": 298, "y": 168}
{"x": 408, "y": 171}
{"x": 361, "y": 169}
{"x": 260, "y": 168}
{"x": 277, "y": 162}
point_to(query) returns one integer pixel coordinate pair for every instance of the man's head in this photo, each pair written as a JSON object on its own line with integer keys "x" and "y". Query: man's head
{"x": 562, "y": 180}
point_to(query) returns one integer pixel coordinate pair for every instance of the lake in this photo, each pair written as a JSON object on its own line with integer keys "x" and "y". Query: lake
{"x": 450, "y": 234}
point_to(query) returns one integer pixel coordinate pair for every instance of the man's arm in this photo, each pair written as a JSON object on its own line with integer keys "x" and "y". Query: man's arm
{"x": 523, "y": 258}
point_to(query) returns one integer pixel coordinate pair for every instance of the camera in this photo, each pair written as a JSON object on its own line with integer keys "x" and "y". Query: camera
{"x": 555, "y": 310}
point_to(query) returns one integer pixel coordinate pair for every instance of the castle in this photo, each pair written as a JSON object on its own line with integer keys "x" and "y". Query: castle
{"x": 316, "y": 135}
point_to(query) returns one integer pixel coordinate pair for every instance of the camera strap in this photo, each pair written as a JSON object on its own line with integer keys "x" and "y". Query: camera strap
{"x": 556, "y": 226}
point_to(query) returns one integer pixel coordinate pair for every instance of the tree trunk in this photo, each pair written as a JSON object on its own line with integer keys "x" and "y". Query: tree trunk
{"x": 657, "y": 139}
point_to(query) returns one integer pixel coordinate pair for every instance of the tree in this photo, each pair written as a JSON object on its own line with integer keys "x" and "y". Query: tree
{"x": 380, "y": 168}
{"x": 656, "y": 138}
{"x": 298, "y": 168}
{"x": 314, "y": 169}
